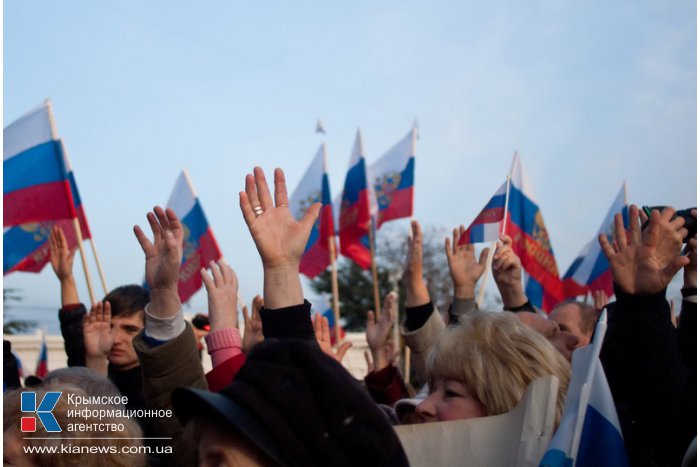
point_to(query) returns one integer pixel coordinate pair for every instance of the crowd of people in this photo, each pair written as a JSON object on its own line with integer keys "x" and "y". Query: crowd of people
{"x": 279, "y": 395}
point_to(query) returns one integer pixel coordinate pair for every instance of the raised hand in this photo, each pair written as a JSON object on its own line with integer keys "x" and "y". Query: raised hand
{"x": 379, "y": 330}
{"x": 222, "y": 295}
{"x": 600, "y": 300}
{"x": 97, "y": 336}
{"x": 279, "y": 238}
{"x": 507, "y": 272}
{"x": 323, "y": 336}
{"x": 644, "y": 264}
{"x": 253, "y": 330}
{"x": 163, "y": 258}
{"x": 464, "y": 269}
{"x": 61, "y": 257}
{"x": 416, "y": 290}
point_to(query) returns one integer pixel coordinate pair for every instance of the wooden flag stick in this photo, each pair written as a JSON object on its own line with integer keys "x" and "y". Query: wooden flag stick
{"x": 334, "y": 288}
{"x": 79, "y": 237}
{"x": 99, "y": 267}
{"x": 407, "y": 365}
{"x": 76, "y": 223}
{"x": 375, "y": 276}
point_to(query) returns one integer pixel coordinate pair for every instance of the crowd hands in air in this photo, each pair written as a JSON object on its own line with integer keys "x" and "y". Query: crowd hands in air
{"x": 278, "y": 395}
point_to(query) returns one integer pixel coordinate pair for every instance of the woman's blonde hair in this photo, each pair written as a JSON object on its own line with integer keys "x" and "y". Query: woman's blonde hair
{"x": 496, "y": 357}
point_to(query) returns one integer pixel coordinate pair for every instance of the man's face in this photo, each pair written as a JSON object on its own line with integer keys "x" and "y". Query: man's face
{"x": 564, "y": 341}
{"x": 568, "y": 317}
{"x": 124, "y": 329}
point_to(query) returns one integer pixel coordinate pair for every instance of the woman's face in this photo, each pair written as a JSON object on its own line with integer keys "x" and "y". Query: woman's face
{"x": 449, "y": 400}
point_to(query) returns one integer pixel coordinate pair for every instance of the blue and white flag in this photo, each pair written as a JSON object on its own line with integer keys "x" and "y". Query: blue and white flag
{"x": 589, "y": 433}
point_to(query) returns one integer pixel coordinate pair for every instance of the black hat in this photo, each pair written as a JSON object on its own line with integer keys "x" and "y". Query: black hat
{"x": 300, "y": 407}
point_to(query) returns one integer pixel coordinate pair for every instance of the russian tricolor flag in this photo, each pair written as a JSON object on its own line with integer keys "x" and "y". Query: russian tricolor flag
{"x": 199, "y": 244}
{"x": 487, "y": 225}
{"x": 589, "y": 434}
{"x": 392, "y": 180}
{"x": 35, "y": 179}
{"x": 42, "y": 365}
{"x": 25, "y": 246}
{"x": 590, "y": 271}
{"x": 354, "y": 220}
{"x": 525, "y": 226}
{"x": 313, "y": 188}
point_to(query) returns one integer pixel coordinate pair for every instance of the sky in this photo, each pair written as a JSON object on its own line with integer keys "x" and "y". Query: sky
{"x": 589, "y": 93}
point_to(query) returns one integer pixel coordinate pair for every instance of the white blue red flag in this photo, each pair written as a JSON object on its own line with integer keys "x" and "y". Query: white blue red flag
{"x": 589, "y": 434}
{"x": 199, "y": 244}
{"x": 487, "y": 225}
{"x": 525, "y": 225}
{"x": 35, "y": 178}
{"x": 391, "y": 177}
{"x": 315, "y": 188}
{"x": 354, "y": 220}
{"x": 42, "y": 365}
{"x": 590, "y": 271}
{"x": 25, "y": 246}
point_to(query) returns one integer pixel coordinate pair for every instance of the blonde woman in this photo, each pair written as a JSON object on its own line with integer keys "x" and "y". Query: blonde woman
{"x": 483, "y": 365}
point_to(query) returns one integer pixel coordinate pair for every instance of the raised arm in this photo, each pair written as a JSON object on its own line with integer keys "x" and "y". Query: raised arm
{"x": 61, "y": 259}
{"x": 252, "y": 331}
{"x": 646, "y": 263}
{"x": 465, "y": 271}
{"x": 97, "y": 333}
{"x": 163, "y": 258}
{"x": 416, "y": 290}
{"x": 643, "y": 362}
{"x": 379, "y": 330}
{"x": 507, "y": 272}
{"x": 279, "y": 238}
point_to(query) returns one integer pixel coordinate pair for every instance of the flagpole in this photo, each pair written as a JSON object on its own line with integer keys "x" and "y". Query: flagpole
{"x": 505, "y": 211}
{"x": 375, "y": 276}
{"x": 334, "y": 269}
{"x": 189, "y": 182}
{"x": 595, "y": 346}
{"x": 76, "y": 224}
{"x": 334, "y": 288}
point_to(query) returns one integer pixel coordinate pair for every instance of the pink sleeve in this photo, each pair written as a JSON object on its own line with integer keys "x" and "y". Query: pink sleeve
{"x": 223, "y": 344}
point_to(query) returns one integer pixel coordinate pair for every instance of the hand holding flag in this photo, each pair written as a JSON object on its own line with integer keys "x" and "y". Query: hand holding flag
{"x": 507, "y": 272}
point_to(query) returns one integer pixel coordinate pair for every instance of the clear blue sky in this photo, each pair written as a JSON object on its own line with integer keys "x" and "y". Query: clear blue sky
{"x": 589, "y": 93}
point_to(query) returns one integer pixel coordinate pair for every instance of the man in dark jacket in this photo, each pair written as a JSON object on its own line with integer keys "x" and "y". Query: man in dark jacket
{"x": 109, "y": 344}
